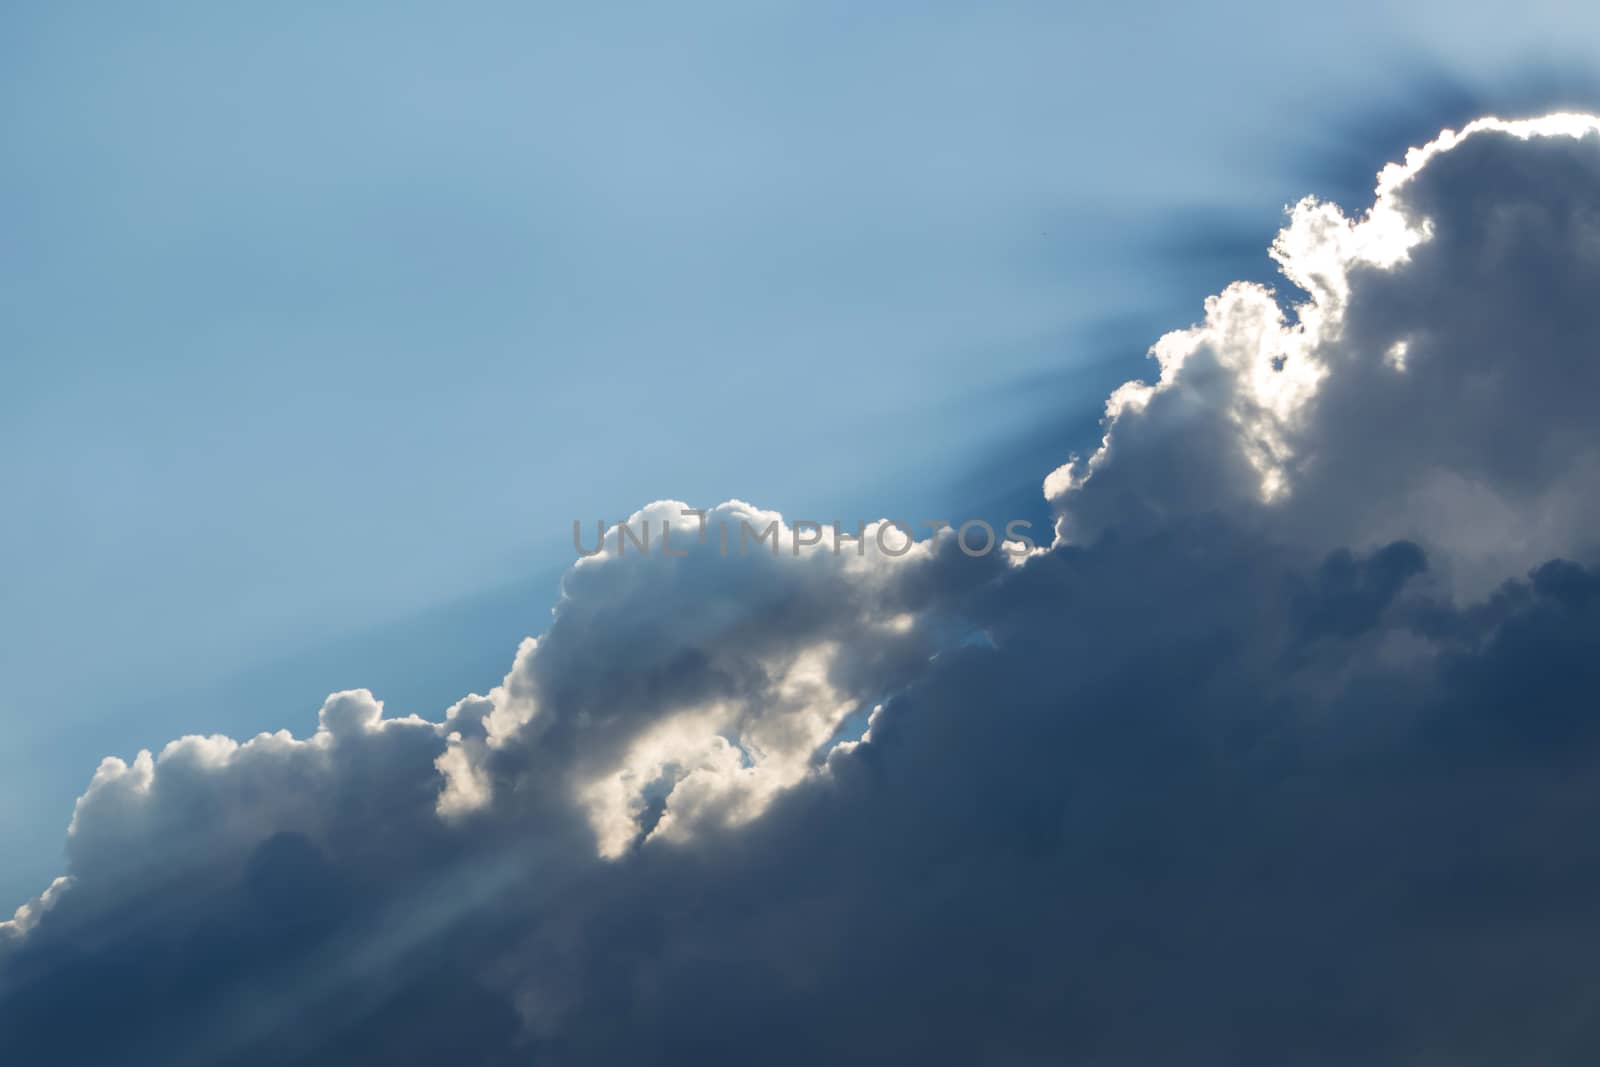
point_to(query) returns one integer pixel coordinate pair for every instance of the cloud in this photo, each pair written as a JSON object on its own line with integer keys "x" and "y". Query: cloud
{"x": 1433, "y": 386}
{"x": 1285, "y": 751}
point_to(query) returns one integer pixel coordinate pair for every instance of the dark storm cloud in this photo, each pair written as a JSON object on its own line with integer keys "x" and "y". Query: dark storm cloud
{"x": 1287, "y": 751}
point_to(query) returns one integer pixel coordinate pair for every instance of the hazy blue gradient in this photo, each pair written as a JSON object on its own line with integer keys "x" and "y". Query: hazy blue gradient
{"x": 317, "y": 322}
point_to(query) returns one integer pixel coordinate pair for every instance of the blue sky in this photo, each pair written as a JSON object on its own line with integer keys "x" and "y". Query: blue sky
{"x": 320, "y": 324}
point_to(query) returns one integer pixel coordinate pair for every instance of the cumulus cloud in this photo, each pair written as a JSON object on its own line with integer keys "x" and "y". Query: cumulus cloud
{"x": 1434, "y": 381}
{"x": 1285, "y": 751}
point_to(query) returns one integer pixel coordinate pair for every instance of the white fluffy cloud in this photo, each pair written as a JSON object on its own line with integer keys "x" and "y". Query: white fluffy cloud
{"x": 1433, "y": 381}
{"x": 702, "y": 683}
{"x": 1282, "y": 753}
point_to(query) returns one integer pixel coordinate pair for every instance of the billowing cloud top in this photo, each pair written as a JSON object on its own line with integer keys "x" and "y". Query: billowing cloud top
{"x": 1436, "y": 383}
{"x": 1285, "y": 751}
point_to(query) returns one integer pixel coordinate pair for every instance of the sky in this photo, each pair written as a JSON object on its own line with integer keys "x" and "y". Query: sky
{"x": 320, "y": 326}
